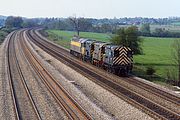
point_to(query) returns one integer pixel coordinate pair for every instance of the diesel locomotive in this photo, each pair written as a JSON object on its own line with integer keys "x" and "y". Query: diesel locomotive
{"x": 113, "y": 58}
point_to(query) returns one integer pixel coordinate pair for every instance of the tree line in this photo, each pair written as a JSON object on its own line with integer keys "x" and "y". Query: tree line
{"x": 87, "y": 25}
{"x": 84, "y": 24}
{"x": 92, "y": 25}
{"x": 158, "y": 32}
{"x": 18, "y": 22}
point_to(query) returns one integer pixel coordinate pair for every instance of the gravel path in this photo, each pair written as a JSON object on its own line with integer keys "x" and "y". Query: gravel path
{"x": 6, "y": 103}
{"x": 92, "y": 97}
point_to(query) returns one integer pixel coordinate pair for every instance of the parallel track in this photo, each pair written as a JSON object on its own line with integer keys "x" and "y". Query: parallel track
{"x": 16, "y": 113}
{"x": 17, "y": 84}
{"x": 139, "y": 101}
{"x": 172, "y": 98}
{"x": 72, "y": 109}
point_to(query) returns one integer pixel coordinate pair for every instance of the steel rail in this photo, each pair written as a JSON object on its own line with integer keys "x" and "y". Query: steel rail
{"x": 70, "y": 106}
{"x": 13, "y": 57}
{"x": 54, "y": 51}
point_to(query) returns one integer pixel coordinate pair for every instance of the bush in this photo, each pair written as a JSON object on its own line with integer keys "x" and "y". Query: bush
{"x": 3, "y": 34}
{"x": 150, "y": 71}
{"x": 44, "y": 33}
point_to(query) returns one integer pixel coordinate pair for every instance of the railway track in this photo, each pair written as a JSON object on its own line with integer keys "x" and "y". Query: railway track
{"x": 137, "y": 100}
{"x": 172, "y": 98}
{"x": 16, "y": 114}
{"x": 159, "y": 92}
{"x": 72, "y": 109}
{"x": 24, "y": 105}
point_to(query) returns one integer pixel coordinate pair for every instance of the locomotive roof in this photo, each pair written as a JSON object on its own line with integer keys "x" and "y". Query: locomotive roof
{"x": 113, "y": 46}
{"x": 91, "y": 40}
{"x": 81, "y": 40}
{"x": 100, "y": 44}
{"x": 75, "y": 38}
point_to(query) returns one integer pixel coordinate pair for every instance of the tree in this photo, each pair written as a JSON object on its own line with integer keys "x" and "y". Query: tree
{"x": 75, "y": 21}
{"x": 176, "y": 56}
{"x": 106, "y": 28}
{"x": 120, "y": 37}
{"x": 81, "y": 24}
{"x": 145, "y": 29}
{"x": 84, "y": 25}
{"x": 13, "y": 22}
{"x": 29, "y": 23}
{"x": 128, "y": 37}
{"x": 133, "y": 41}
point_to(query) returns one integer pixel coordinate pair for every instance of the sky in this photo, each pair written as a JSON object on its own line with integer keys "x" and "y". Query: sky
{"x": 91, "y": 8}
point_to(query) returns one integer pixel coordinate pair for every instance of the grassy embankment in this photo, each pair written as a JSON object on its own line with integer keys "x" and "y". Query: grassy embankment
{"x": 157, "y": 51}
{"x": 4, "y": 32}
{"x": 2, "y": 36}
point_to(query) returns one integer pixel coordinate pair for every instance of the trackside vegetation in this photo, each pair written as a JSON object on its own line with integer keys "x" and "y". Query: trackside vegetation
{"x": 128, "y": 37}
{"x": 2, "y": 36}
{"x": 157, "y": 52}
{"x": 3, "y": 33}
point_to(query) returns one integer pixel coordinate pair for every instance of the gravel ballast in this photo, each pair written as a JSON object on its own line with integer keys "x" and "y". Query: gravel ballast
{"x": 45, "y": 103}
{"x": 92, "y": 94}
{"x": 89, "y": 106}
{"x": 6, "y": 102}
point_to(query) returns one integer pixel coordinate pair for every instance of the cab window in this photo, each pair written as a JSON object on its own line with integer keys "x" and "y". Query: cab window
{"x": 116, "y": 53}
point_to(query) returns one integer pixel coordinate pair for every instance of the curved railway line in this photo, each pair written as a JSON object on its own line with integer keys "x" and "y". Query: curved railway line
{"x": 72, "y": 109}
{"x": 16, "y": 113}
{"x": 152, "y": 108}
{"x": 24, "y": 105}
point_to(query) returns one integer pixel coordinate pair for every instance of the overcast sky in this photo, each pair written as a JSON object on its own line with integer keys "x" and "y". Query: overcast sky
{"x": 91, "y": 8}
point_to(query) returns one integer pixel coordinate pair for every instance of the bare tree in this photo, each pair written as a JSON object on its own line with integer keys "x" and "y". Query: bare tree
{"x": 76, "y": 24}
{"x": 176, "y": 57}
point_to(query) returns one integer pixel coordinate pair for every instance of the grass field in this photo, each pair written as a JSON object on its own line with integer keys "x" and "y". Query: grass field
{"x": 63, "y": 37}
{"x": 157, "y": 52}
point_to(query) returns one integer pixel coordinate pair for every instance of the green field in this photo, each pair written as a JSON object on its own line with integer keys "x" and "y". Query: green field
{"x": 63, "y": 37}
{"x": 157, "y": 52}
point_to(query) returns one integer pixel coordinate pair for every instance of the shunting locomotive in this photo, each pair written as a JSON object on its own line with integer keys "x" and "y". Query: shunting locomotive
{"x": 113, "y": 58}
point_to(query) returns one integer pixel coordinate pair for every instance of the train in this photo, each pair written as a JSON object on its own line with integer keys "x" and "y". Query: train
{"x": 116, "y": 59}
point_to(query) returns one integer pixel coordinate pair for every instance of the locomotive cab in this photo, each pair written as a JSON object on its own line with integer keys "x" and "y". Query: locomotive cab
{"x": 78, "y": 47}
{"x": 118, "y": 59}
